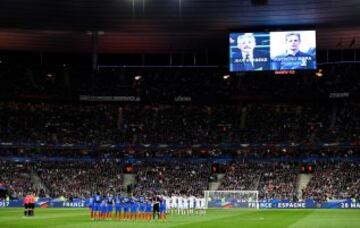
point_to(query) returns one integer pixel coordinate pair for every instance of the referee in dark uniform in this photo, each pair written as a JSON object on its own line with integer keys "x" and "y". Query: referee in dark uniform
{"x": 156, "y": 207}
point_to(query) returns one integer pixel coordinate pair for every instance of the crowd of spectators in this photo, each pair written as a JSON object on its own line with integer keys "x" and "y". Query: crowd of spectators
{"x": 172, "y": 178}
{"x": 16, "y": 178}
{"x": 241, "y": 176}
{"x": 242, "y": 154}
{"x": 186, "y": 125}
{"x": 273, "y": 180}
{"x": 163, "y": 84}
{"x": 177, "y": 124}
{"x": 334, "y": 180}
{"x": 33, "y": 123}
{"x": 80, "y": 179}
{"x": 278, "y": 181}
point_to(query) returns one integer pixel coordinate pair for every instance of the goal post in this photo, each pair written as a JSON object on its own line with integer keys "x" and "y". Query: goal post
{"x": 231, "y": 199}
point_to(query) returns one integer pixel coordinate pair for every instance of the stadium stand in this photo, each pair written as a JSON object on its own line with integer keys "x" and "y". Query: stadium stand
{"x": 67, "y": 140}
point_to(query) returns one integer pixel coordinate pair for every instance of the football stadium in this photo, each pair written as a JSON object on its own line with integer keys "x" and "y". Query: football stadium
{"x": 180, "y": 113}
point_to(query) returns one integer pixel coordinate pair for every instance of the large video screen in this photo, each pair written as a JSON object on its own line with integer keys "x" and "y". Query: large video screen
{"x": 263, "y": 51}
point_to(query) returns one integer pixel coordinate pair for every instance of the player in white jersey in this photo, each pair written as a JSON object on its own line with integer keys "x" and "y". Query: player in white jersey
{"x": 186, "y": 205}
{"x": 173, "y": 204}
{"x": 202, "y": 206}
{"x": 192, "y": 204}
{"x": 181, "y": 203}
{"x": 197, "y": 205}
{"x": 177, "y": 205}
{"x": 168, "y": 204}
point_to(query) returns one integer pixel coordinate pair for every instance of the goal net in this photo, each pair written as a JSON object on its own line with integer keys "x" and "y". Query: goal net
{"x": 231, "y": 199}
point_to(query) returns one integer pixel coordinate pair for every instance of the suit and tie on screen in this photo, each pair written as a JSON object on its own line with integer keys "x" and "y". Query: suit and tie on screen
{"x": 293, "y": 58}
{"x": 280, "y": 50}
{"x": 246, "y": 56}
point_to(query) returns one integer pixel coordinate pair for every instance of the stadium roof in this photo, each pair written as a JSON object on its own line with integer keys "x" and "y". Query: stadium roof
{"x": 158, "y": 26}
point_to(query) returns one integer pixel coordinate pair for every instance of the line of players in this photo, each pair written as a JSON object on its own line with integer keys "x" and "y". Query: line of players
{"x": 185, "y": 205}
{"x": 126, "y": 208}
{"x": 141, "y": 208}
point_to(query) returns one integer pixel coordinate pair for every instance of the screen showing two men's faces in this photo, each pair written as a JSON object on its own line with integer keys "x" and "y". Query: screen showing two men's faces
{"x": 263, "y": 51}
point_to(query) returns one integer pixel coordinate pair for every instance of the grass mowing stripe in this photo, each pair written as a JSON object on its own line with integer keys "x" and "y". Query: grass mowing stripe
{"x": 38, "y": 217}
{"x": 214, "y": 222}
{"x": 332, "y": 218}
{"x": 219, "y": 218}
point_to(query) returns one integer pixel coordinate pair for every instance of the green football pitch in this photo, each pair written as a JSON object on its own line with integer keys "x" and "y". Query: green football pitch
{"x": 219, "y": 218}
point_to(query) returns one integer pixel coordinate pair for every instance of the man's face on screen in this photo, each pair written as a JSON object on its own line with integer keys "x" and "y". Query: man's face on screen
{"x": 246, "y": 44}
{"x": 293, "y": 43}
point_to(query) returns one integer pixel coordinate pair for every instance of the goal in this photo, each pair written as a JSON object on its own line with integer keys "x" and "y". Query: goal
{"x": 231, "y": 199}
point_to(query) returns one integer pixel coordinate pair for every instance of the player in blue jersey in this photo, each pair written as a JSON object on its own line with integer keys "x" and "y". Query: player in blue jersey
{"x": 126, "y": 209}
{"x": 91, "y": 207}
{"x": 103, "y": 208}
{"x": 122, "y": 214}
{"x": 118, "y": 207}
{"x": 142, "y": 209}
{"x": 110, "y": 203}
{"x": 148, "y": 209}
{"x": 162, "y": 209}
{"x": 96, "y": 205}
{"x": 134, "y": 209}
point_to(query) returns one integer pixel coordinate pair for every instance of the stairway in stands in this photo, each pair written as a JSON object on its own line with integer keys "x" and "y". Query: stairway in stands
{"x": 214, "y": 185}
{"x": 301, "y": 183}
{"x": 37, "y": 182}
{"x": 129, "y": 181}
